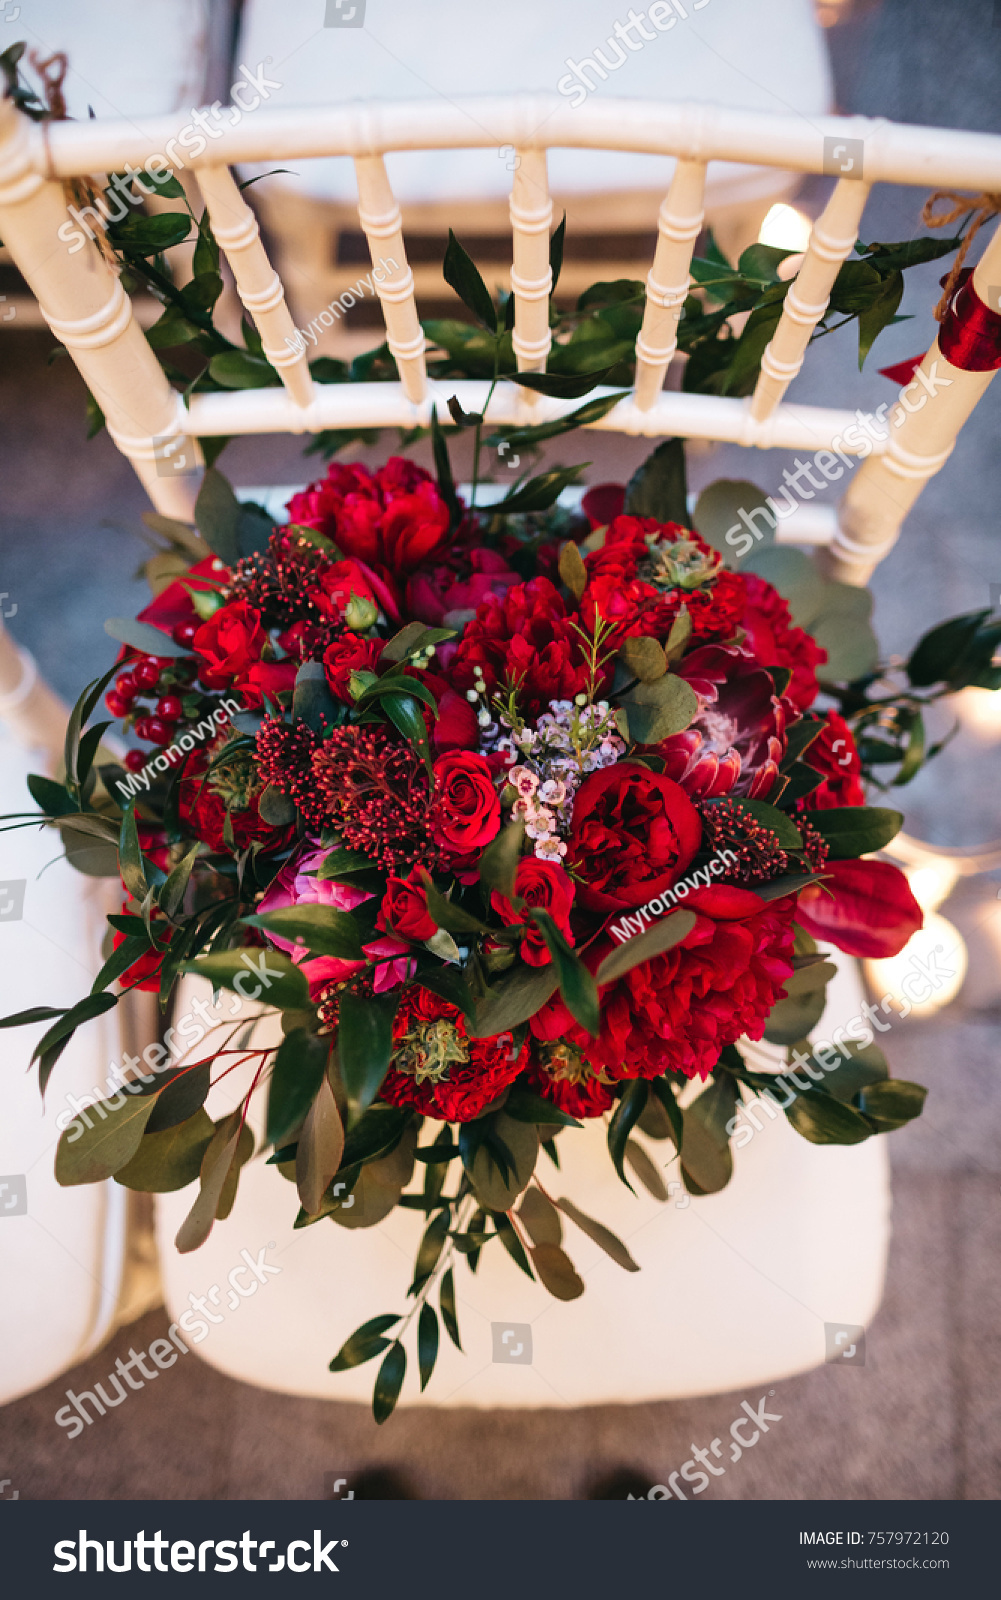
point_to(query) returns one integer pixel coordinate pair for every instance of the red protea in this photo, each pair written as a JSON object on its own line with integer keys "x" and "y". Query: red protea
{"x": 438, "y": 1069}
{"x": 738, "y": 737}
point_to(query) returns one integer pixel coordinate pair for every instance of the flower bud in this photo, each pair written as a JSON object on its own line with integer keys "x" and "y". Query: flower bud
{"x": 360, "y": 613}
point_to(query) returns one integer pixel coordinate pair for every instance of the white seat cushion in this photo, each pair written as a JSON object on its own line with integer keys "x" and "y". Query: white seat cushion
{"x": 125, "y": 60}
{"x": 722, "y": 54}
{"x": 734, "y": 1289}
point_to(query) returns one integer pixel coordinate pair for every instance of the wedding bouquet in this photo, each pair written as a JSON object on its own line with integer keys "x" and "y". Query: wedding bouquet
{"x": 512, "y": 815}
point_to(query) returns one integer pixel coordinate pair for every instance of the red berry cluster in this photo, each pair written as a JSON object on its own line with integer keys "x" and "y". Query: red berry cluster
{"x": 142, "y": 679}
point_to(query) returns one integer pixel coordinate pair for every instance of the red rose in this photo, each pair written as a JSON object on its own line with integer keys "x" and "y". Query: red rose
{"x": 633, "y": 833}
{"x": 834, "y": 754}
{"x": 543, "y": 884}
{"x": 774, "y": 641}
{"x": 438, "y": 1068}
{"x": 866, "y": 908}
{"x": 404, "y": 910}
{"x": 267, "y": 680}
{"x": 466, "y": 811}
{"x": 345, "y": 655}
{"x": 229, "y": 644}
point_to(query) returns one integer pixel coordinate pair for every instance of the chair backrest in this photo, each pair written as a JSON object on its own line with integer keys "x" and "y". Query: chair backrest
{"x": 87, "y": 309}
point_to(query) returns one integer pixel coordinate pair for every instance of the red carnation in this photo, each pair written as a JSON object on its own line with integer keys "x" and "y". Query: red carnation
{"x": 559, "y": 1073}
{"x": 775, "y": 642}
{"x": 629, "y": 582}
{"x": 404, "y": 910}
{"x": 465, "y": 814}
{"x": 523, "y": 638}
{"x": 676, "y": 1012}
{"x": 633, "y": 833}
{"x": 545, "y": 885}
{"x": 834, "y": 754}
{"x": 438, "y": 1068}
{"x": 229, "y": 644}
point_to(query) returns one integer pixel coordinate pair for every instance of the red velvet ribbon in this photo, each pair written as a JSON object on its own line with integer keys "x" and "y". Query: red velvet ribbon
{"x": 970, "y": 335}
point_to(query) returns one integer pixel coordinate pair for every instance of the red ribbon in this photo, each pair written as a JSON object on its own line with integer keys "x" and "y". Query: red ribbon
{"x": 970, "y": 335}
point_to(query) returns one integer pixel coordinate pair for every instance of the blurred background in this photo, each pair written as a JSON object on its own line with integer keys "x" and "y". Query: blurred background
{"x": 922, "y": 1417}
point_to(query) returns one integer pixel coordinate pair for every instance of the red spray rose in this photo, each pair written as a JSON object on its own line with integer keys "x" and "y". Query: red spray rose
{"x": 438, "y": 1068}
{"x": 633, "y": 833}
{"x": 465, "y": 813}
{"x": 543, "y": 884}
{"x": 834, "y": 754}
{"x": 229, "y": 644}
{"x": 404, "y": 909}
{"x": 348, "y": 654}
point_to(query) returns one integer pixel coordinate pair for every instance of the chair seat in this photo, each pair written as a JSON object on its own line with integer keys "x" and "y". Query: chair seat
{"x": 717, "y": 52}
{"x": 734, "y": 1288}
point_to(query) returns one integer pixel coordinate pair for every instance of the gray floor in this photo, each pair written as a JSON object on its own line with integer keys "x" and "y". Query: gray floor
{"x": 922, "y": 1419}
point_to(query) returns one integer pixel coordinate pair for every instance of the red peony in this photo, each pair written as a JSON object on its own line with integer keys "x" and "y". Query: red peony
{"x": 404, "y": 910}
{"x": 348, "y": 654}
{"x": 737, "y": 738}
{"x": 393, "y": 519}
{"x": 442, "y": 597}
{"x": 633, "y": 833}
{"x": 229, "y": 644}
{"x": 465, "y": 813}
{"x": 773, "y": 639}
{"x": 834, "y": 754}
{"x": 524, "y": 639}
{"x": 438, "y": 1069}
{"x": 676, "y": 1012}
{"x": 545, "y": 885}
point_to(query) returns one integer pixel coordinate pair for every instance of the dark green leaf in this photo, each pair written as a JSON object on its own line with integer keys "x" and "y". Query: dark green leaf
{"x": 556, "y": 252}
{"x": 355, "y": 1350}
{"x": 217, "y": 515}
{"x": 645, "y": 1169}
{"x": 824, "y": 1120}
{"x": 624, "y": 1118}
{"x": 178, "y": 1096}
{"x": 446, "y": 1301}
{"x": 318, "y": 928}
{"x": 365, "y": 1043}
{"x": 781, "y": 825}
{"x": 515, "y": 998}
{"x": 238, "y": 369}
{"x": 520, "y": 1140}
{"x": 499, "y": 861}
{"x": 427, "y": 1343}
{"x": 52, "y": 797}
{"x": 662, "y": 936}
{"x": 538, "y": 494}
{"x": 852, "y": 831}
{"x": 461, "y": 274}
{"x": 512, "y": 1244}
{"x": 431, "y": 1247}
{"x": 540, "y": 1217}
{"x": 525, "y": 1106}
{"x": 405, "y": 713}
{"x": 312, "y": 701}
{"x": 661, "y": 1088}
{"x": 934, "y": 657}
{"x": 577, "y": 986}
{"x": 706, "y": 1161}
{"x": 21, "y": 1019}
{"x": 892, "y": 1103}
{"x": 658, "y": 488}
{"x": 562, "y": 385}
{"x": 878, "y": 314}
{"x": 593, "y": 411}
{"x": 297, "y": 1074}
{"x": 389, "y": 1382}
{"x": 280, "y": 984}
